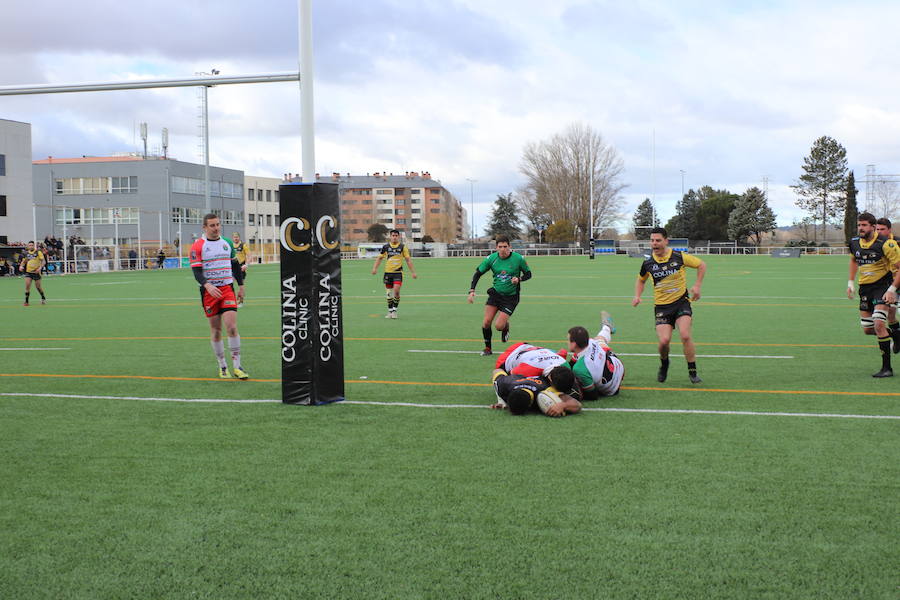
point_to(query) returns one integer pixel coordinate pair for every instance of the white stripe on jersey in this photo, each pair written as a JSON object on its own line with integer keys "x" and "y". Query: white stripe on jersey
{"x": 535, "y": 356}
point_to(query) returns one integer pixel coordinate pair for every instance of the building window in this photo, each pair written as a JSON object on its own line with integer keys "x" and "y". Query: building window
{"x": 415, "y": 192}
{"x": 250, "y": 194}
{"x": 401, "y": 221}
{"x": 415, "y": 211}
{"x": 268, "y": 195}
{"x": 250, "y": 219}
{"x": 435, "y": 211}
{"x": 259, "y": 195}
{"x": 369, "y": 201}
{"x": 384, "y": 192}
{"x": 124, "y": 185}
{"x": 400, "y": 202}
{"x": 2, "y": 204}
{"x": 2, "y": 164}
{"x": 276, "y": 196}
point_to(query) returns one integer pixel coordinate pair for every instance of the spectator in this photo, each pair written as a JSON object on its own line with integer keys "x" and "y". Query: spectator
{"x": 160, "y": 259}
{"x": 132, "y": 259}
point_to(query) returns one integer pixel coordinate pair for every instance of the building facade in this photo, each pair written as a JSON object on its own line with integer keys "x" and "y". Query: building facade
{"x": 413, "y": 203}
{"x": 16, "y": 219}
{"x": 261, "y": 209}
{"x": 151, "y": 202}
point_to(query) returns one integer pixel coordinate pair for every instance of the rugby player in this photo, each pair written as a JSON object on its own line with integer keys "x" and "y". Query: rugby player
{"x": 215, "y": 267}
{"x": 883, "y": 229}
{"x": 31, "y": 264}
{"x": 242, "y": 255}
{"x": 519, "y": 394}
{"x": 395, "y": 252}
{"x": 528, "y": 360}
{"x": 873, "y": 258}
{"x": 509, "y": 269}
{"x": 598, "y": 370}
{"x": 670, "y": 294}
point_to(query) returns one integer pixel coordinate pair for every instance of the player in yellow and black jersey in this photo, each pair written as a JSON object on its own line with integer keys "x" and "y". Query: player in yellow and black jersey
{"x": 883, "y": 229}
{"x": 395, "y": 252}
{"x": 877, "y": 262}
{"x": 32, "y": 262}
{"x": 673, "y": 306}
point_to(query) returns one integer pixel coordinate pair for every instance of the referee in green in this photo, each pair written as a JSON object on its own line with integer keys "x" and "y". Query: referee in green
{"x": 510, "y": 269}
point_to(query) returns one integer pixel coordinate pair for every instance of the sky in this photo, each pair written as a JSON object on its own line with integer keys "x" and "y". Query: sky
{"x": 726, "y": 94}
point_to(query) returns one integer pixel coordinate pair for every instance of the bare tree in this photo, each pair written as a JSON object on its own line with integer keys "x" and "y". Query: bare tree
{"x": 534, "y": 214}
{"x": 887, "y": 200}
{"x": 560, "y": 170}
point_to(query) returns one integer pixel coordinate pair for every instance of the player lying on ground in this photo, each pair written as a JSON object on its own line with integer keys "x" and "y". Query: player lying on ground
{"x": 598, "y": 370}
{"x": 555, "y": 394}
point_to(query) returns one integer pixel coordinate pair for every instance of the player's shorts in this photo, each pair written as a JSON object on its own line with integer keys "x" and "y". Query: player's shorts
{"x": 241, "y": 266}
{"x": 613, "y": 374}
{"x": 393, "y": 279}
{"x": 667, "y": 314}
{"x": 504, "y": 303}
{"x": 871, "y": 294}
{"x": 216, "y": 306}
{"x": 34, "y": 276}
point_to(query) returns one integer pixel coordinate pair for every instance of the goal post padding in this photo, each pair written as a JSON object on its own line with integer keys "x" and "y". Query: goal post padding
{"x": 312, "y": 331}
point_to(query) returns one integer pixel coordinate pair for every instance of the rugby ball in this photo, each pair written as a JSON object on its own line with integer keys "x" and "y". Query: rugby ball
{"x": 548, "y": 398}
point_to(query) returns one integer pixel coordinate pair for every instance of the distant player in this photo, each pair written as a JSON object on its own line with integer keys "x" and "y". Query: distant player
{"x": 598, "y": 370}
{"x": 215, "y": 267}
{"x": 509, "y": 269}
{"x": 883, "y": 229}
{"x": 31, "y": 264}
{"x": 242, "y": 254}
{"x": 873, "y": 258}
{"x": 518, "y": 394}
{"x": 395, "y": 252}
{"x": 670, "y": 294}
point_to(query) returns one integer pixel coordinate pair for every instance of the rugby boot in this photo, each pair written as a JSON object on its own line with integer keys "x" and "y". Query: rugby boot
{"x": 240, "y": 373}
{"x": 605, "y": 319}
{"x": 223, "y": 373}
{"x": 884, "y": 373}
{"x": 486, "y": 352}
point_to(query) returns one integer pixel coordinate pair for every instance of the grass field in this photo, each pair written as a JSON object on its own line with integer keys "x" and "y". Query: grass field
{"x": 777, "y": 477}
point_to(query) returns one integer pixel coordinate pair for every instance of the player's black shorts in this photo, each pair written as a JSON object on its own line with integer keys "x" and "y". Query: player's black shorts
{"x": 667, "y": 314}
{"x": 391, "y": 279}
{"x": 37, "y": 276}
{"x": 247, "y": 272}
{"x": 503, "y": 302}
{"x": 871, "y": 294}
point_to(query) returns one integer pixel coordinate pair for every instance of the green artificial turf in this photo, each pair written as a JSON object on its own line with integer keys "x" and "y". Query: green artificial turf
{"x": 107, "y": 497}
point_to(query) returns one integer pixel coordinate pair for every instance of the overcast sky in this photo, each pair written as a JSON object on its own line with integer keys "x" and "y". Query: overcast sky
{"x": 731, "y": 92}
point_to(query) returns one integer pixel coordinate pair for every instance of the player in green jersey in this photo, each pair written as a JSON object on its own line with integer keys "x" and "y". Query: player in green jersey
{"x": 509, "y": 269}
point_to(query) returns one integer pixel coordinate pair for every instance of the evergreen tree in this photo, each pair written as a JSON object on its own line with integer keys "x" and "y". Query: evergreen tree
{"x": 644, "y": 218}
{"x": 751, "y": 217}
{"x": 821, "y": 188}
{"x": 851, "y": 210}
{"x": 504, "y": 219}
{"x": 686, "y": 221}
{"x": 715, "y": 208}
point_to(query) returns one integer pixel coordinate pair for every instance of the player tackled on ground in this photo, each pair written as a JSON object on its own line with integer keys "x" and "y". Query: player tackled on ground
{"x": 883, "y": 229}
{"x": 598, "y": 370}
{"x": 673, "y": 306}
{"x": 510, "y": 269}
{"x": 32, "y": 262}
{"x": 215, "y": 267}
{"x": 555, "y": 394}
{"x": 395, "y": 251}
{"x": 874, "y": 257}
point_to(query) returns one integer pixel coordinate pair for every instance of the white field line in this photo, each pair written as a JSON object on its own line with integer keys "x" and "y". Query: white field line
{"x": 617, "y": 354}
{"x": 481, "y": 406}
{"x": 31, "y": 349}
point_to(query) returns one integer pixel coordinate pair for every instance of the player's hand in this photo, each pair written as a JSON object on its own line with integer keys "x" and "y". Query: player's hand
{"x": 415, "y": 276}
{"x": 515, "y": 281}
{"x": 373, "y": 271}
{"x": 850, "y": 292}
{"x": 556, "y": 410}
{"x": 636, "y": 300}
{"x": 240, "y": 294}
{"x": 212, "y": 290}
{"x": 890, "y": 297}
{"x": 471, "y": 297}
{"x": 695, "y": 293}
{"x": 243, "y": 268}
{"x": 498, "y": 406}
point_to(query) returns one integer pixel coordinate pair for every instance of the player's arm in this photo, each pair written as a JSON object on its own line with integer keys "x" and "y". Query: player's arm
{"x": 201, "y": 279}
{"x": 851, "y": 277}
{"x": 892, "y": 252}
{"x": 408, "y": 258}
{"x": 525, "y": 273}
{"x": 377, "y": 262}
{"x": 695, "y": 263}
{"x": 567, "y": 406}
{"x": 475, "y": 278}
{"x": 501, "y": 381}
{"x": 639, "y": 289}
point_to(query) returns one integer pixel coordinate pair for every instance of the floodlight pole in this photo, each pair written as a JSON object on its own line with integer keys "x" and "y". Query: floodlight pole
{"x": 307, "y": 123}
{"x": 591, "y": 198}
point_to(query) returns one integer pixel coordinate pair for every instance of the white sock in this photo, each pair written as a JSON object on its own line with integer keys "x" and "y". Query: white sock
{"x": 219, "y": 350}
{"x": 234, "y": 344}
{"x": 605, "y": 333}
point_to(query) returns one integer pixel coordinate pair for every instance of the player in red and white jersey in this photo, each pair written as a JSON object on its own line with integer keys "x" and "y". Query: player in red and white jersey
{"x": 215, "y": 267}
{"x": 529, "y": 360}
{"x": 597, "y": 368}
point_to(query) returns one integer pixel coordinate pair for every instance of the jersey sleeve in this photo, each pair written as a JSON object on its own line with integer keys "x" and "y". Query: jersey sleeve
{"x": 643, "y": 274}
{"x": 196, "y": 255}
{"x": 405, "y": 251}
{"x": 690, "y": 260}
{"x": 581, "y": 372}
{"x": 230, "y": 245}
{"x": 523, "y": 265}
{"x": 892, "y": 252}
{"x": 485, "y": 265}
{"x": 384, "y": 251}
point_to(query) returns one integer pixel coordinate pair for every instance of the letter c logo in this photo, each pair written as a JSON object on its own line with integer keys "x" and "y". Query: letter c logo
{"x": 320, "y": 232}
{"x": 287, "y": 234}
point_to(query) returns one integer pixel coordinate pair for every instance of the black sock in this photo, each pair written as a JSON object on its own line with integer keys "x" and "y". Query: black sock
{"x": 486, "y": 333}
{"x": 664, "y": 364}
{"x": 884, "y": 344}
{"x": 43, "y": 297}
{"x": 26, "y": 296}
{"x": 692, "y": 369}
{"x": 895, "y": 326}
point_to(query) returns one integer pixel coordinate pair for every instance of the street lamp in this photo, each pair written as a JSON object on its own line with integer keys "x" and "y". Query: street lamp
{"x": 472, "y": 203}
{"x": 682, "y": 182}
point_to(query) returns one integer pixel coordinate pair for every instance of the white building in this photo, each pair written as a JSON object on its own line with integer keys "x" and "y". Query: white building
{"x": 16, "y": 219}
